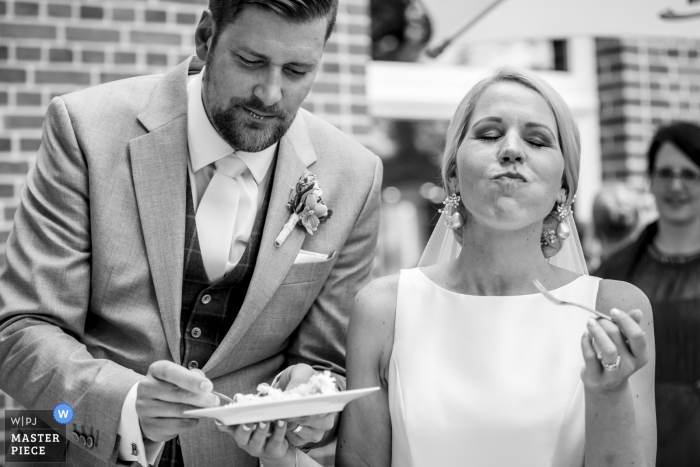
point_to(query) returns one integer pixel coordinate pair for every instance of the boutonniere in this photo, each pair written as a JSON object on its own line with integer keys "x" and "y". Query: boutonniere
{"x": 308, "y": 209}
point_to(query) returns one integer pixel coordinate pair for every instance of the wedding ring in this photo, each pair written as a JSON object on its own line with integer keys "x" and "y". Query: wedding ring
{"x": 297, "y": 429}
{"x": 611, "y": 366}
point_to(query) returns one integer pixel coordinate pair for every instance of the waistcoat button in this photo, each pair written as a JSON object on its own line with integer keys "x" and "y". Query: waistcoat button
{"x": 196, "y": 332}
{"x": 206, "y": 299}
{"x": 193, "y": 365}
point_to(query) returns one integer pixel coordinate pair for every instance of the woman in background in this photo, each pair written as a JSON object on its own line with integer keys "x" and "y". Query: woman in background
{"x": 664, "y": 262}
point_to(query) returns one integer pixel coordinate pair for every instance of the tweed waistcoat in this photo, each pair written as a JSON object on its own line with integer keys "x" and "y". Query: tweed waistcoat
{"x": 209, "y": 310}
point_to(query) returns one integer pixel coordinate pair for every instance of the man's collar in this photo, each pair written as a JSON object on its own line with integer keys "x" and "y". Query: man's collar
{"x": 205, "y": 143}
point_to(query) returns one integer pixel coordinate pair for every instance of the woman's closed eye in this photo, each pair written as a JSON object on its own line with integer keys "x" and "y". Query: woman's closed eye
{"x": 535, "y": 141}
{"x": 538, "y": 142}
{"x": 488, "y": 135}
{"x": 538, "y": 139}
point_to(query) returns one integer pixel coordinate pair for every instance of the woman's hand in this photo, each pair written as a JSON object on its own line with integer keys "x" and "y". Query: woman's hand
{"x": 264, "y": 440}
{"x": 604, "y": 342}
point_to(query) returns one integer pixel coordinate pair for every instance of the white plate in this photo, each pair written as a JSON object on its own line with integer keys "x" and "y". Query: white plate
{"x": 280, "y": 410}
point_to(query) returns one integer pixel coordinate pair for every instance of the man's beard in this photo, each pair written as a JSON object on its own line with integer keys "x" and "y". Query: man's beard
{"x": 244, "y": 133}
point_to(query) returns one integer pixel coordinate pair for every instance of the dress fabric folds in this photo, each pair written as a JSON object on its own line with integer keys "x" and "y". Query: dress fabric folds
{"x": 487, "y": 381}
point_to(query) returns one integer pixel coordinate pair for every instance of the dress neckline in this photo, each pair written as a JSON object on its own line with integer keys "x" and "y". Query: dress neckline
{"x": 494, "y": 296}
{"x": 664, "y": 258}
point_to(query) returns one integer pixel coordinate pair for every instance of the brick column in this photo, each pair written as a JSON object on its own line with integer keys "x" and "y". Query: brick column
{"x": 52, "y": 47}
{"x": 643, "y": 83}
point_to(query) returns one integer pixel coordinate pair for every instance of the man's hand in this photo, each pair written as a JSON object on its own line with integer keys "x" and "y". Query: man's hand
{"x": 313, "y": 428}
{"x": 165, "y": 394}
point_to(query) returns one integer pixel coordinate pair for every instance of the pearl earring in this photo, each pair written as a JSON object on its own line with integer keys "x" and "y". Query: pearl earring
{"x": 451, "y": 216}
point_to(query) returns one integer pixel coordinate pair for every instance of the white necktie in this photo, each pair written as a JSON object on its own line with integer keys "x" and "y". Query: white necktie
{"x": 225, "y": 216}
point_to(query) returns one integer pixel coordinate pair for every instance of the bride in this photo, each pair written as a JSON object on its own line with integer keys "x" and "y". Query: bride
{"x": 476, "y": 367}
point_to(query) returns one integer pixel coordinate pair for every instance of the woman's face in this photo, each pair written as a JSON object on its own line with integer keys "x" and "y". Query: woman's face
{"x": 678, "y": 201}
{"x": 510, "y": 164}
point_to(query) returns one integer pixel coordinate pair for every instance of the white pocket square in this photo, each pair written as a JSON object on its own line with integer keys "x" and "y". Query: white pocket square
{"x": 310, "y": 257}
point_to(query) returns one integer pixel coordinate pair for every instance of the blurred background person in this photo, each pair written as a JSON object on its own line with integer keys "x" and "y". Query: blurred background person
{"x": 665, "y": 263}
{"x": 616, "y": 220}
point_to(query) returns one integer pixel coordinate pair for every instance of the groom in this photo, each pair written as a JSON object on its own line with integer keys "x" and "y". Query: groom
{"x": 144, "y": 246}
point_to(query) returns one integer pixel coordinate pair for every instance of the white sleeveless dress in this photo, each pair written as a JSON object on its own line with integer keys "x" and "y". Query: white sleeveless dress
{"x": 487, "y": 381}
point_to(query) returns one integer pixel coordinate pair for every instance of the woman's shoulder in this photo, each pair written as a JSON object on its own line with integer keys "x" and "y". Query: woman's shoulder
{"x": 377, "y": 300}
{"x": 622, "y": 295}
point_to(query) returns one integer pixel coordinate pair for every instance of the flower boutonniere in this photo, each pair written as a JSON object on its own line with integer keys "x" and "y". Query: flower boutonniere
{"x": 308, "y": 209}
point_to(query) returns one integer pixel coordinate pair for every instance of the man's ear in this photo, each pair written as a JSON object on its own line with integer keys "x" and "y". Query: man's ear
{"x": 204, "y": 35}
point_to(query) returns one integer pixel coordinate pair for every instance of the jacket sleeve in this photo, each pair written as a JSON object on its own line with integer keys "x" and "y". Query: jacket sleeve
{"x": 45, "y": 294}
{"x": 320, "y": 338}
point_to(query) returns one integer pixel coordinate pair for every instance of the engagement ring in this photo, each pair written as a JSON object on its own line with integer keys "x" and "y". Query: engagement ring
{"x": 610, "y": 366}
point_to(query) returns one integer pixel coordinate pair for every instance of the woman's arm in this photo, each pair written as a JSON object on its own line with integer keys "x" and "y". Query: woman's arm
{"x": 364, "y": 438}
{"x": 620, "y": 410}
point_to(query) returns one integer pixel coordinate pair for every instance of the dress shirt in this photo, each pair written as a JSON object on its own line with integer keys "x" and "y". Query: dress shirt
{"x": 205, "y": 146}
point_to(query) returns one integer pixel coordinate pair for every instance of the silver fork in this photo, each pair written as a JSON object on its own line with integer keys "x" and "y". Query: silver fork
{"x": 556, "y": 301}
{"x": 224, "y": 397}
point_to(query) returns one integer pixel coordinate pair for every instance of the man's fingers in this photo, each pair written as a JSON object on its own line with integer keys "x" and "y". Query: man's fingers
{"x": 181, "y": 377}
{"x": 151, "y": 389}
{"x": 169, "y": 382}
{"x": 177, "y": 395}
{"x": 159, "y": 409}
{"x": 259, "y": 437}
{"x": 164, "y": 429}
{"x": 278, "y": 434}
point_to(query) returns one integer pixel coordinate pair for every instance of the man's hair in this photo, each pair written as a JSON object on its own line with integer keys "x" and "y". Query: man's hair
{"x": 225, "y": 11}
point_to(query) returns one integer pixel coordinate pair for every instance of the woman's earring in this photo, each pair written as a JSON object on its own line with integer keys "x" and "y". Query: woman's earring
{"x": 452, "y": 217}
{"x": 563, "y": 212}
{"x": 549, "y": 237}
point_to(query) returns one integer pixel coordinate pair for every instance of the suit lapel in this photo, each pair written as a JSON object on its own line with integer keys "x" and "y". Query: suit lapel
{"x": 295, "y": 154}
{"x": 159, "y": 167}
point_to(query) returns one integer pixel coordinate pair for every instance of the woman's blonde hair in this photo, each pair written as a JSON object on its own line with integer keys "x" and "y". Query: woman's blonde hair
{"x": 568, "y": 134}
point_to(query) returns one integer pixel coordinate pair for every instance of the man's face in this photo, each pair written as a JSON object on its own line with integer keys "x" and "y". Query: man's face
{"x": 258, "y": 73}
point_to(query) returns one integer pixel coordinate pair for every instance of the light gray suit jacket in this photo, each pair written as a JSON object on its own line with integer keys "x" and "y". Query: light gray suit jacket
{"x": 91, "y": 292}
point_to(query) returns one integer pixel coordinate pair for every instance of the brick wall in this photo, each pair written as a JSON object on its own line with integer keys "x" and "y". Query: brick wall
{"x": 52, "y": 47}
{"x": 642, "y": 84}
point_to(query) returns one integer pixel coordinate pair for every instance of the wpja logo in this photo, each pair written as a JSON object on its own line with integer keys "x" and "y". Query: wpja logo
{"x": 36, "y": 435}
{"x": 63, "y": 413}
{"x": 690, "y": 11}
